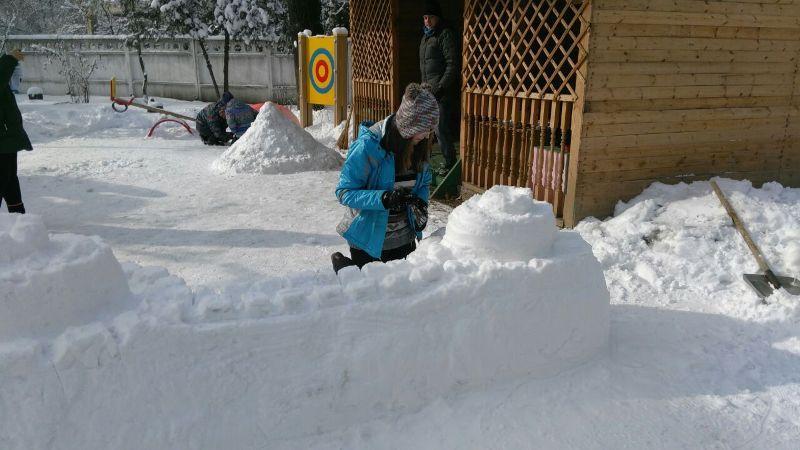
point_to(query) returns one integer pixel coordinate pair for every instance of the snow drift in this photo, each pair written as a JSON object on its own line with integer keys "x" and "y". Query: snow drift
{"x": 49, "y": 284}
{"x": 51, "y": 120}
{"x": 286, "y": 357}
{"x": 676, "y": 243}
{"x": 275, "y": 144}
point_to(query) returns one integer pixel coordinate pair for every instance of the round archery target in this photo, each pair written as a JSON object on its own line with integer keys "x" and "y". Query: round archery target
{"x": 320, "y": 68}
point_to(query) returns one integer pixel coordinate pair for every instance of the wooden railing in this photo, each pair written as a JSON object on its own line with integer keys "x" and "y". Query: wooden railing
{"x": 517, "y": 141}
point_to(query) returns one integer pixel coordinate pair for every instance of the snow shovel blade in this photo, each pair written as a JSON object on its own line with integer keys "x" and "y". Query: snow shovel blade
{"x": 761, "y": 285}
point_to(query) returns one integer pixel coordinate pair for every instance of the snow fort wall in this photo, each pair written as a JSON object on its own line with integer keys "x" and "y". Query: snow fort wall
{"x": 50, "y": 283}
{"x": 313, "y": 352}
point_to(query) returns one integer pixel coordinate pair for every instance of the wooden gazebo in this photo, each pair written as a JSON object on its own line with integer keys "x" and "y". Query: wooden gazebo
{"x": 590, "y": 101}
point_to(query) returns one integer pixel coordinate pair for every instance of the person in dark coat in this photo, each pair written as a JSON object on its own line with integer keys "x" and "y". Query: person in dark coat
{"x": 438, "y": 65}
{"x": 13, "y": 137}
{"x": 211, "y": 123}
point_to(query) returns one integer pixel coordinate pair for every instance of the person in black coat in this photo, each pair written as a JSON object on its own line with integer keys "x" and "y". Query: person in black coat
{"x": 438, "y": 66}
{"x": 13, "y": 137}
{"x": 211, "y": 122}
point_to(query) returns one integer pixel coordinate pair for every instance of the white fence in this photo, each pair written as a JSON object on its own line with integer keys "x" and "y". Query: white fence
{"x": 175, "y": 68}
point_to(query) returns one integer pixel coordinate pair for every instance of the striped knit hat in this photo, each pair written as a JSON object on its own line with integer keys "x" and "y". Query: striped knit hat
{"x": 418, "y": 112}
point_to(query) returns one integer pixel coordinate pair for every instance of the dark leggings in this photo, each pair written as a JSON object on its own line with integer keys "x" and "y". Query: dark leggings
{"x": 9, "y": 182}
{"x": 361, "y": 258}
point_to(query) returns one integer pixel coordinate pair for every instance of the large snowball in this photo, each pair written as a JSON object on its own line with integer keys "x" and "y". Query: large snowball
{"x": 503, "y": 224}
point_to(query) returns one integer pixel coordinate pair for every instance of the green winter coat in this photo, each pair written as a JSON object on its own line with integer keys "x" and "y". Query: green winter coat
{"x": 438, "y": 61}
{"x": 12, "y": 136}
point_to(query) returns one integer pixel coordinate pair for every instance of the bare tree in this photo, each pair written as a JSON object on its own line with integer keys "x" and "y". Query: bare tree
{"x": 76, "y": 68}
{"x": 140, "y": 22}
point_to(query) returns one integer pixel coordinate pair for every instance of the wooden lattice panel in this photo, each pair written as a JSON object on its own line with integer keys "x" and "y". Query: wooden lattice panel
{"x": 372, "y": 59}
{"x": 521, "y": 63}
{"x": 370, "y": 24}
{"x": 531, "y": 48}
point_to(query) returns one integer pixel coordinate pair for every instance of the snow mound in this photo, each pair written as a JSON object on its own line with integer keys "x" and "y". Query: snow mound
{"x": 504, "y": 224}
{"x": 676, "y": 245}
{"x": 274, "y": 144}
{"x": 309, "y": 353}
{"x": 50, "y": 283}
{"x": 48, "y": 121}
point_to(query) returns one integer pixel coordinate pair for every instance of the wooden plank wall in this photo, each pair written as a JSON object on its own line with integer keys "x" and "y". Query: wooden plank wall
{"x": 679, "y": 90}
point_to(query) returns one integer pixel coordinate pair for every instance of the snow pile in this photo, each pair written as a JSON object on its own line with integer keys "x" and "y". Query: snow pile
{"x": 50, "y": 283}
{"x": 50, "y": 120}
{"x": 274, "y": 144}
{"x": 675, "y": 245}
{"x": 324, "y": 130}
{"x": 502, "y": 224}
{"x": 283, "y": 358}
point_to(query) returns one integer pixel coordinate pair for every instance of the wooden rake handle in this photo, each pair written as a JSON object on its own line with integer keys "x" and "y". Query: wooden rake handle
{"x": 737, "y": 222}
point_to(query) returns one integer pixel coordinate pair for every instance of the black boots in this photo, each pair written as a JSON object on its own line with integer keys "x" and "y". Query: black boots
{"x": 340, "y": 261}
{"x": 19, "y": 208}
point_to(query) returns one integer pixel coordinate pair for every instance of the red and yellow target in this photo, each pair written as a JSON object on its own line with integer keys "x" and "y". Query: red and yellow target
{"x": 320, "y": 69}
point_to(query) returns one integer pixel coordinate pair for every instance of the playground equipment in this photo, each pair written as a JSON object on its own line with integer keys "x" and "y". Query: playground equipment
{"x": 121, "y": 105}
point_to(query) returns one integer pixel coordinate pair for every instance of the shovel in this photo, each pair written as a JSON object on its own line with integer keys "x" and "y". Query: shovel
{"x": 764, "y": 283}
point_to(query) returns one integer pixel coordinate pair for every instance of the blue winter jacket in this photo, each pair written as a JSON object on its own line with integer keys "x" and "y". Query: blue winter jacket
{"x": 239, "y": 116}
{"x": 367, "y": 173}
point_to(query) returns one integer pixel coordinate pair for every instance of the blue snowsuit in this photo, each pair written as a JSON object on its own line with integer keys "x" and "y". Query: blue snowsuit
{"x": 239, "y": 116}
{"x": 367, "y": 173}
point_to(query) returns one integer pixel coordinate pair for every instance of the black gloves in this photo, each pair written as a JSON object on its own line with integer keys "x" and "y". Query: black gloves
{"x": 396, "y": 200}
{"x": 420, "y": 211}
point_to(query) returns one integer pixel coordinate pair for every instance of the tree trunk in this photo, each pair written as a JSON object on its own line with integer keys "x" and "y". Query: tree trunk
{"x": 227, "y": 57}
{"x": 141, "y": 64}
{"x": 208, "y": 64}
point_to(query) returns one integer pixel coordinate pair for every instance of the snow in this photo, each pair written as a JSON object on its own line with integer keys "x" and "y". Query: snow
{"x": 35, "y": 90}
{"x": 322, "y": 130}
{"x": 309, "y": 352}
{"x": 56, "y": 119}
{"x": 675, "y": 245}
{"x": 339, "y": 31}
{"x": 501, "y": 224}
{"x": 275, "y": 144}
{"x": 231, "y": 287}
{"x": 49, "y": 284}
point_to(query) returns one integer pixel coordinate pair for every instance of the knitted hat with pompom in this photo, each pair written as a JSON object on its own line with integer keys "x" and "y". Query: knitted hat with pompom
{"x": 418, "y": 112}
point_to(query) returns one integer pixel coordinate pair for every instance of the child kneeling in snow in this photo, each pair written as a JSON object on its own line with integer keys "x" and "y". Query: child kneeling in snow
{"x": 211, "y": 124}
{"x": 385, "y": 183}
{"x": 239, "y": 116}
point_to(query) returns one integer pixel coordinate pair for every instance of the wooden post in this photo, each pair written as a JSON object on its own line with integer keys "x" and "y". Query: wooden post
{"x": 306, "y": 114}
{"x": 572, "y": 200}
{"x": 340, "y": 75}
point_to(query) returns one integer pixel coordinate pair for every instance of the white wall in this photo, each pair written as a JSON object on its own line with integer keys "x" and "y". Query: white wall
{"x": 175, "y": 67}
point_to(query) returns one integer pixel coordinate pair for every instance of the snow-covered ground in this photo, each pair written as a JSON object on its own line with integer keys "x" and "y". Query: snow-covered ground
{"x": 156, "y": 201}
{"x": 262, "y": 347}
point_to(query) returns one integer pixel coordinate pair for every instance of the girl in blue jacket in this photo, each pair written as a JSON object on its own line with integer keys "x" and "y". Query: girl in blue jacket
{"x": 385, "y": 183}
